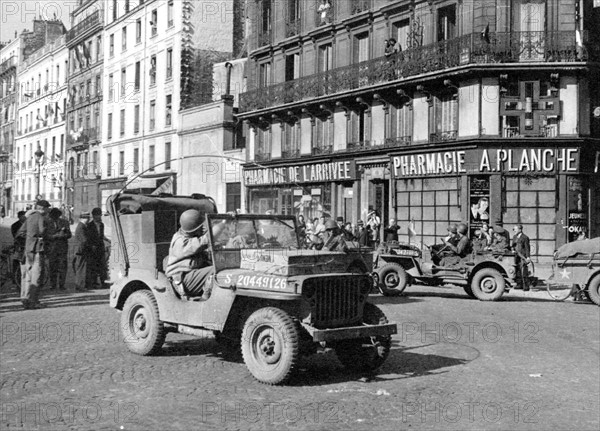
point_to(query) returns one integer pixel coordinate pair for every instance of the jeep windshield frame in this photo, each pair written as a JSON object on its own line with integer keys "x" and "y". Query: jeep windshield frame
{"x": 252, "y": 232}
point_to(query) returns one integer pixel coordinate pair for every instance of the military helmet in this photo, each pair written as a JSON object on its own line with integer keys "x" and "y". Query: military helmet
{"x": 191, "y": 221}
{"x": 330, "y": 224}
{"x": 462, "y": 229}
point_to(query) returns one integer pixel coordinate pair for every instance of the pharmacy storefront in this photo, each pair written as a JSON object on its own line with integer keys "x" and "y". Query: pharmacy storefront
{"x": 310, "y": 189}
{"x": 552, "y": 191}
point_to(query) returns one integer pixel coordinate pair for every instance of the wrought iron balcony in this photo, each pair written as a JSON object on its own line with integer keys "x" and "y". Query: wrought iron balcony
{"x": 81, "y": 141}
{"x": 510, "y": 132}
{"x": 516, "y": 47}
{"x": 7, "y": 64}
{"x": 89, "y": 22}
{"x": 290, "y": 154}
{"x": 323, "y": 149}
{"x": 262, "y": 157}
{"x": 397, "y": 141}
{"x": 359, "y": 6}
{"x": 447, "y": 135}
{"x": 292, "y": 27}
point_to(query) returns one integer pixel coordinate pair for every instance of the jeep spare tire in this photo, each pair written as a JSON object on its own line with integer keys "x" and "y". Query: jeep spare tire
{"x": 593, "y": 290}
{"x": 392, "y": 279}
{"x": 270, "y": 345}
{"x": 142, "y": 330}
{"x": 488, "y": 284}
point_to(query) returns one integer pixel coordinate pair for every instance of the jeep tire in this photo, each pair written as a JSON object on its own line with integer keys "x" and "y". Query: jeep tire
{"x": 368, "y": 354}
{"x": 488, "y": 284}
{"x": 271, "y": 345}
{"x": 141, "y": 328}
{"x": 592, "y": 291}
{"x": 392, "y": 279}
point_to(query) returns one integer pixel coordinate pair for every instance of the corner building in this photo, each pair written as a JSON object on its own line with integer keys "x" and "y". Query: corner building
{"x": 483, "y": 113}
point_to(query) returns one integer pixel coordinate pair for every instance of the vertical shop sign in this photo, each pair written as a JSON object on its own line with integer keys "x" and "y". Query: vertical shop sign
{"x": 578, "y": 210}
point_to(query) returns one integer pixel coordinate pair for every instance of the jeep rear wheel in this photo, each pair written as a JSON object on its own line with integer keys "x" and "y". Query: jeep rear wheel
{"x": 592, "y": 291}
{"x": 488, "y": 284}
{"x": 392, "y": 279}
{"x": 142, "y": 330}
{"x": 368, "y": 354}
{"x": 271, "y": 345}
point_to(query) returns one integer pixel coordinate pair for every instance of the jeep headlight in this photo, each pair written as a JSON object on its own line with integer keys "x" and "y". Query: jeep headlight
{"x": 365, "y": 285}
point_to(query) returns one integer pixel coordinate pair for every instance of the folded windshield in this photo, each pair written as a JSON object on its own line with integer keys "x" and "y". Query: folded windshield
{"x": 238, "y": 233}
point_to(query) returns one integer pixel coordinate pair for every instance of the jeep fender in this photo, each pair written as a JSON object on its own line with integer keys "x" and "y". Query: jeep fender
{"x": 509, "y": 278}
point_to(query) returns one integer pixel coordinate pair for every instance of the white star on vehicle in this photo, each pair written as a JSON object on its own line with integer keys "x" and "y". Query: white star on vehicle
{"x": 565, "y": 273}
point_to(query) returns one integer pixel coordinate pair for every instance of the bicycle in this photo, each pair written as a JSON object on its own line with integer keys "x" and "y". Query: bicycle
{"x": 10, "y": 269}
{"x": 561, "y": 291}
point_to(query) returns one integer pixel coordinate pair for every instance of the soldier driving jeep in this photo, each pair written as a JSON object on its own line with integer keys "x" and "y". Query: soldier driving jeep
{"x": 189, "y": 263}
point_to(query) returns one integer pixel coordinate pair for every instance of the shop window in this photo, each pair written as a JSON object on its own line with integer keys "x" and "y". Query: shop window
{"x": 531, "y": 201}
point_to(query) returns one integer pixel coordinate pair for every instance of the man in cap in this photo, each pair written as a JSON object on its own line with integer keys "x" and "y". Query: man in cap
{"x": 361, "y": 234}
{"x": 81, "y": 252}
{"x": 499, "y": 242}
{"x": 189, "y": 264}
{"x": 97, "y": 258}
{"x": 35, "y": 230}
{"x": 58, "y": 241}
{"x": 520, "y": 244}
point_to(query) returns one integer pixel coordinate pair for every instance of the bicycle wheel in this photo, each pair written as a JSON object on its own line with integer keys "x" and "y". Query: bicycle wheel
{"x": 558, "y": 291}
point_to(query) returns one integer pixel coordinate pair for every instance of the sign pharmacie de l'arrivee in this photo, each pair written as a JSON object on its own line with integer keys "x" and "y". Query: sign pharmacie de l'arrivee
{"x": 344, "y": 170}
{"x": 486, "y": 161}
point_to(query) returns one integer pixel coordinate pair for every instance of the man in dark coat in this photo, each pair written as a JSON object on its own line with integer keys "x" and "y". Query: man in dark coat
{"x": 391, "y": 231}
{"x": 96, "y": 259}
{"x": 520, "y": 244}
{"x": 35, "y": 229}
{"x": 59, "y": 233}
{"x": 81, "y": 253}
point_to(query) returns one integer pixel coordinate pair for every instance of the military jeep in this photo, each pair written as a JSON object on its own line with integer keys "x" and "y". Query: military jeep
{"x": 277, "y": 301}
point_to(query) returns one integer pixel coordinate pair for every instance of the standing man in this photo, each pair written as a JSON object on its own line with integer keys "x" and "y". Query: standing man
{"x": 96, "y": 260}
{"x": 35, "y": 228}
{"x": 81, "y": 253}
{"x": 14, "y": 229}
{"x": 58, "y": 237}
{"x": 520, "y": 244}
{"x": 391, "y": 232}
{"x": 374, "y": 223}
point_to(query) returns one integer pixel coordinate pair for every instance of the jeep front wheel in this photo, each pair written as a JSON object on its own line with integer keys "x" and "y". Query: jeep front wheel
{"x": 392, "y": 279}
{"x": 488, "y": 284}
{"x": 142, "y": 330}
{"x": 368, "y": 354}
{"x": 270, "y": 345}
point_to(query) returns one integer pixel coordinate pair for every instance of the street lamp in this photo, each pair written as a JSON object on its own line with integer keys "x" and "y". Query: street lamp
{"x": 38, "y": 159}
{"x": 4, "y": 157}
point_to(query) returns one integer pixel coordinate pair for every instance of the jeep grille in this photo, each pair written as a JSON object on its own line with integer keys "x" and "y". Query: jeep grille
{"x": 336, "y": 301}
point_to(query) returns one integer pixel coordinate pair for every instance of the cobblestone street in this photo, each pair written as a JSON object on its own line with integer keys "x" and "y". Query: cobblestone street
{"x": 456, "y": 363}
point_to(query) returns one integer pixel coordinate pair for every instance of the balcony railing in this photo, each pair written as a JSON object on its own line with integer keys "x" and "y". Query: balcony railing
{"x": 290, "y": 154}
{"x": 447, "y": 135}
{"x": 7, "y": 64}
{"x": 324, "y": 149}
{"x": 359, "y": 6}
{"x": 88, "y": 23}
{"x": 79, "y": 142}
{"x": 292, "y": 27}
{"x": 262, "y": 157}
{"x": 516, "y": 47}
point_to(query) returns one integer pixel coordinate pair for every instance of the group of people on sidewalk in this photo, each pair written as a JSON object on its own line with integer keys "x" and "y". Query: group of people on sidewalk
{"x": 41, "y": 238}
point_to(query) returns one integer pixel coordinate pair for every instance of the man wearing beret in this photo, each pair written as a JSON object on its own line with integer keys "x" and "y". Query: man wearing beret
{"x": 35, "y": 230}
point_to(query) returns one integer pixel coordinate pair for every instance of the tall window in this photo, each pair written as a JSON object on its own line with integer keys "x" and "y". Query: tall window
{"x": 121, "y": 163}
{"x": 111, "y": 45}
{"x": 98, "y": 85}
{"x": 264, "y": 74}
{"x": 446, "y": 28}
{"x": 168, "y": 106}
{"x": 151, "y": 156}
{"x": 114, "y": 10}
{"x": 111, "y": 90}
{"x": 153, "y": 70}
{"x": 136, "y": 160}
{"x": 170, "y": 13}
{"x": 122, "y": 125}
{"x": 98, "y": 47}
{"x": 152, "y": 114}
{"x": 95, "y": 167}
{"x": 123, "y": 81}
{"x": 124, "y": 39}
{"x": 443, "y": 124}
{"x": 361, "y": 47}
{"x": 325, "y": 60}
{"x": 292, "y": 67}
{"x": 266, "y": 16}
{"x": 137, "y": 75}
{"x": 154, "y": 22}
{"x": 136, "y": 119}
{"x": 138, "y": 30}
{"x": 126, "y": 6}
{"x": 169, "y": 63}
{"x": 167, "y": 155}
{"x": 109, "y": 165}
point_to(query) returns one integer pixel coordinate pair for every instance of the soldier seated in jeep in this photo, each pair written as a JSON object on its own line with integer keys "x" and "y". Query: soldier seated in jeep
{"x": 459, "y": 251}
{"x": 189, "y": 263}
